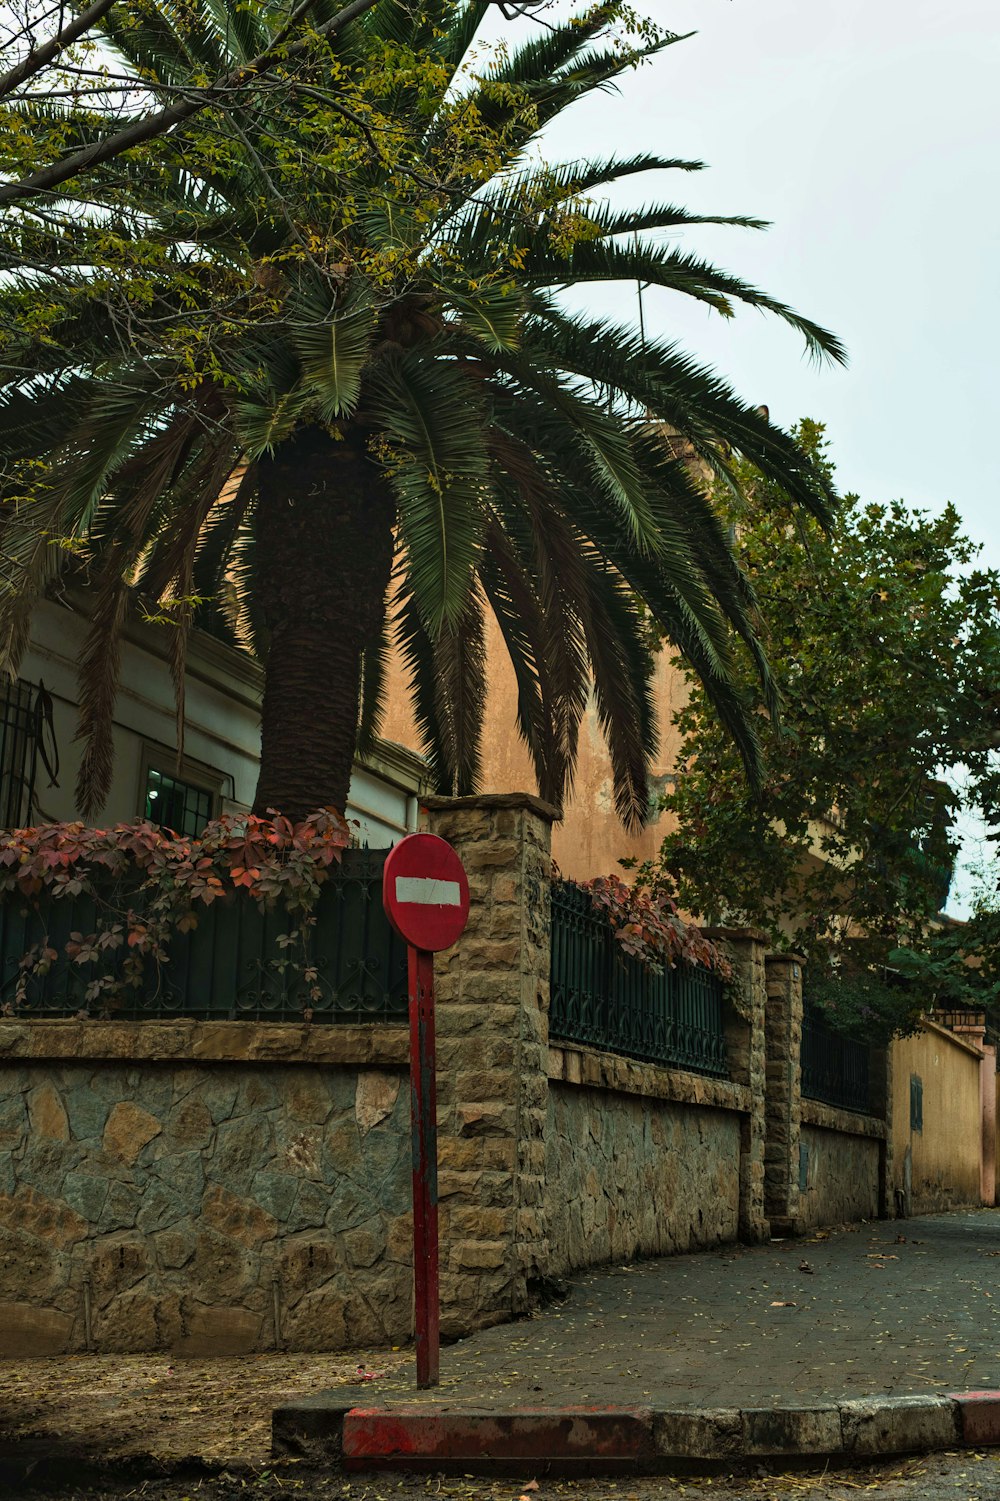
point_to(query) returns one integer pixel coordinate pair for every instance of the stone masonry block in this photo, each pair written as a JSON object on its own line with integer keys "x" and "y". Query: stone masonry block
{"x": 465, "y": 1184}
{"x": 26, "y": 1330}
{"x": 483, "y": 1084}
{"x": 479, "y": 1223}
{"x": 791, "y": 1430}
{"x": 490, "y": 854}
{"x": 711, "y": 1433}
{"x": 899, "y": 1425}
{"x": 499, "y": 1153}
{"x": 464, "y": 1155}
{"x": 478, "y": 1255}
{"x": 490, "y": 1119}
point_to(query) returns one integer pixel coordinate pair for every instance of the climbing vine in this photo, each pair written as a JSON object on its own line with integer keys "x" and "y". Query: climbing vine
{"x": 146, "y": 884}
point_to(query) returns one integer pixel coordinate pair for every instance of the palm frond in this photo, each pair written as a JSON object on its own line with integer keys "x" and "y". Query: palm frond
{"x": 332, "y": 342}
{"x": 661, "y": 382}
{"x": 460, "y": 688}
{"x": 99, "y": 671}
{"x": 374, "y": 688}
{"x": 416, "y": 652}
{"x": 437, "y": 465}
{"x": 597, "y": 261}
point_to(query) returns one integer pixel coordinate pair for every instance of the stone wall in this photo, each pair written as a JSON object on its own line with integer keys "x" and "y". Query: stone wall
{"x": 223, "y": 1187}
{"x": 840, "y": 1166}
{"x": 645, "y": 1163}
{"x": 207, "y": 1206}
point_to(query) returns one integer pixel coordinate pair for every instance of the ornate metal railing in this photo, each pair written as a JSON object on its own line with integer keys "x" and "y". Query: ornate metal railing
{"x": 603, "y": 997}
{"x": 236, "y": 965}
{"x": 835, "y": 1069}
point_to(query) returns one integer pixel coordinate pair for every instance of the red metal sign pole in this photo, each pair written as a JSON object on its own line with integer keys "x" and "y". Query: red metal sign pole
{"x": 425, "y": 891}
{"x": 423, "y": 1116}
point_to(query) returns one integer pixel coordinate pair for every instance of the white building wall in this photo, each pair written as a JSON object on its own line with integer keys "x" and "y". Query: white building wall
{"x": 222, "y": 730}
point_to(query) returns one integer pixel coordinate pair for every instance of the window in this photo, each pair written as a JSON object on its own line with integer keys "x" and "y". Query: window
{"x": 916, "y": 1103}
{"x": 182, "y": 802}
{"x": 25, "y": 717}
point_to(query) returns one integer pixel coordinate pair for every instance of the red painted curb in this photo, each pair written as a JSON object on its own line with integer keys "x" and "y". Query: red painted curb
{"x": 980, "y": 1416}
{"x": 408, "y": 1437}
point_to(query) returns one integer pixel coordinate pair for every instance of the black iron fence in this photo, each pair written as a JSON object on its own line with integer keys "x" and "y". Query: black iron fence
{"x": 603, "y": 997}
{"x": 238, "y": 964}
{"x": 835, "y": 1069}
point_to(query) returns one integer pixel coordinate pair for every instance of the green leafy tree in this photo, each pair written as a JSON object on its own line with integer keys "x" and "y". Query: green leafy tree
{"x": 884, "y": 640}
{"x": 298, "y": 370}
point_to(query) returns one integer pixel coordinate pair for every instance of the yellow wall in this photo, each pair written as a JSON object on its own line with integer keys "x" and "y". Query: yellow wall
{"x": 938, "y": 1166}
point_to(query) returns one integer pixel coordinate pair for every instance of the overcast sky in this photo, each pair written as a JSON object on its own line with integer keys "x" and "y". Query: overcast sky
{"x": 867, "y": 132}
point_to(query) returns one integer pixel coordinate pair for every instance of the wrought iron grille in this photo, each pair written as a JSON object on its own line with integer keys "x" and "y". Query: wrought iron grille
{"x": 18, "y": 745}
{"x": 835, "y": 1069}
{"x": 234, "y": 965}
{"x": 603, "y": 997}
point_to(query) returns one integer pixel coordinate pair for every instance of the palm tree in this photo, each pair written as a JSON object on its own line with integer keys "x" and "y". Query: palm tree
{"x": 303, "y": 371}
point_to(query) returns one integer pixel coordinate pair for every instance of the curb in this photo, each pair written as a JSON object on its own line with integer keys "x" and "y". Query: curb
{"x": 570, "y": 1441}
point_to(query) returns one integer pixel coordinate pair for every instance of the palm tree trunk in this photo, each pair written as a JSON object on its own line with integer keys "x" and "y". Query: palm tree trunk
{"x": 323, "y": 549}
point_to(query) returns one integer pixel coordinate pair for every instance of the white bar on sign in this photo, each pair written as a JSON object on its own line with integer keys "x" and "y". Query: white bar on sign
{"x": 427, "y": 892}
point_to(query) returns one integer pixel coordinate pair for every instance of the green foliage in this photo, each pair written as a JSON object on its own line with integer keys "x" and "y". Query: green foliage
{"x": 884, "y": 644}
{"x": 649, "y": 927}
{"x": 863, "y": 992}
{"x": 360, "y": 241}
{"x": 148, "y": 884}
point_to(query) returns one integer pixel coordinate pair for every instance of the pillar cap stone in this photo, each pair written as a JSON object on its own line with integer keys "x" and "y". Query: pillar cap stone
{"x": 486, "y": 801}
{"x": 737, "y": 935}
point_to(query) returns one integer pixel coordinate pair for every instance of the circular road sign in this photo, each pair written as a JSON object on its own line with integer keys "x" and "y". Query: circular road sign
{"x": 425, "y": 892}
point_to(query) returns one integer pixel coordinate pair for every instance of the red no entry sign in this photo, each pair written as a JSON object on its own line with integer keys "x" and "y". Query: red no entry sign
{"x": 426, "y": 892}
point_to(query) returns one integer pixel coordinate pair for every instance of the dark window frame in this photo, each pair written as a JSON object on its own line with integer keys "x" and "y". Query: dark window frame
{"x": 19, "y": 712}
{"x": 195, "y": 777}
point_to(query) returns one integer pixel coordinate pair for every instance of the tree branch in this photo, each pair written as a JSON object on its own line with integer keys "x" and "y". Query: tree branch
{"x": 158, "y": 124}
{"x": 39, "y": 57}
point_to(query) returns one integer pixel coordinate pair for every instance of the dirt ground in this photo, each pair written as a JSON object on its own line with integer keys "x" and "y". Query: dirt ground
{"x": 954, "y": 1477}
{"x": 117, "y": 1407}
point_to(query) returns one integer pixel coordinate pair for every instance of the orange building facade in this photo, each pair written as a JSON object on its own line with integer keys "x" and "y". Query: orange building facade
{"x": 590, "y": 839}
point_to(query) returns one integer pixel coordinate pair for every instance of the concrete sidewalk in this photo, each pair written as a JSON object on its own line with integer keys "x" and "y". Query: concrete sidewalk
{"x": 888, "y": 1310}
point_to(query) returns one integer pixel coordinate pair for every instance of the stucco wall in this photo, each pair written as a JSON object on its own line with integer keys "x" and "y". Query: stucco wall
{"x": 189, "y": 1207}
{"x": 938, "y": 1166}
{"x": 589, "y": 840}
{"x": 629, "y": 1174}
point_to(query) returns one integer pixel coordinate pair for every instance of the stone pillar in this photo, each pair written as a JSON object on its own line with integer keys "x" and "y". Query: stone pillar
{"x": 493, "y": 1037}
{"x": 881, "y": 1085}
{"x": 988, "y": 1096}
{"x": 745, "y": 1046}
{"x": 783, "y": 1092}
